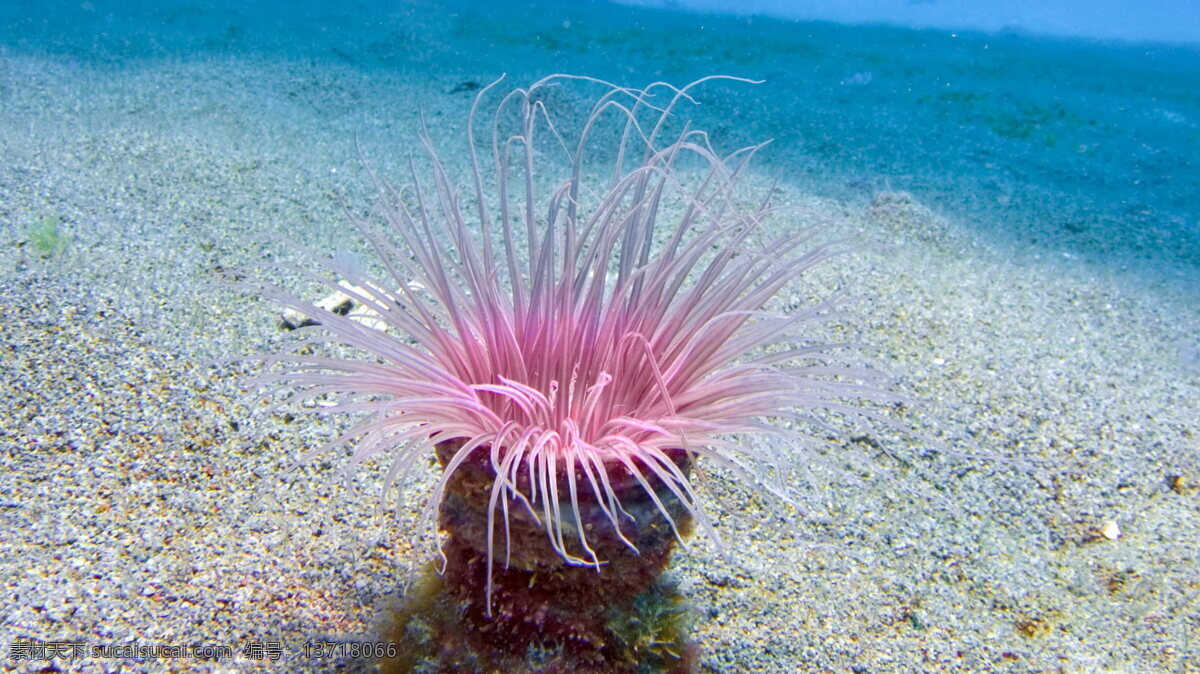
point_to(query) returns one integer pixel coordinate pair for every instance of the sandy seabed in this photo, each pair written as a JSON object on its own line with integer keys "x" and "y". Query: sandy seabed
{"x": 1040, "y": 511}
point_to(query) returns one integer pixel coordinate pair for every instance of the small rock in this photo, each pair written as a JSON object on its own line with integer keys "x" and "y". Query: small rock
{"x": 1180, "y": 484}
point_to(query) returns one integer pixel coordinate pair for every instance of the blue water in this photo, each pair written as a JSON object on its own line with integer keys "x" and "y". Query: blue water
{"x": 1160, "y": 20}
{"x": 1087, "y": 149}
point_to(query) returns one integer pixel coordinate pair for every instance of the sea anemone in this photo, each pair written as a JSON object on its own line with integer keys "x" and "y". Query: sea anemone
{"x": 570, "y": 352}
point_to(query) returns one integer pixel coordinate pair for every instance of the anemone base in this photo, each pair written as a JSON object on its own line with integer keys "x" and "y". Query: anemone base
{"x": 546, "y": 614}
{"x": 648, "y": 635}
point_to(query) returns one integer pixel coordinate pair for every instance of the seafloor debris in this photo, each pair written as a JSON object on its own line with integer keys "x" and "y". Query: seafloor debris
{"x": 342, "y": 303}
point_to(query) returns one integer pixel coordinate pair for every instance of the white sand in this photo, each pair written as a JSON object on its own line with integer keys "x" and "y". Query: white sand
{"x": 132, "y": 466}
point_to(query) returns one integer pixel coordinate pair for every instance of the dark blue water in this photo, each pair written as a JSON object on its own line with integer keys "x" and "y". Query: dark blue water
{"x": 1065, "y": 147}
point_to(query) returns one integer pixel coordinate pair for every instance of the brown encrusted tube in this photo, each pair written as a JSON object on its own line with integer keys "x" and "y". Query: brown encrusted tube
{"x": 548, "y": 615}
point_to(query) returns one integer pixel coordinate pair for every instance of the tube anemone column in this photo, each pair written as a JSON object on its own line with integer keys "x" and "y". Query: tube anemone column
{"x": 547, "y": 614}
